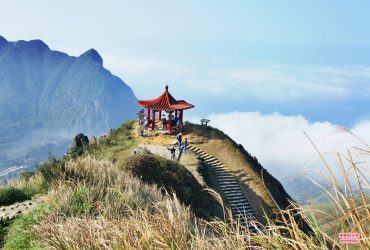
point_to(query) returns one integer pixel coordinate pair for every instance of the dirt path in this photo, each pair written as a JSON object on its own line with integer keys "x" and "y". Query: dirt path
{"x": 19, "y": 208}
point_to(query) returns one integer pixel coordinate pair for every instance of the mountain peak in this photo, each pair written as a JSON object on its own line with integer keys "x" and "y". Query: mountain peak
{"x": 39, "y": 44}
{"x": 3, "y": 41}
{"x": 92, "y": 55}
{"x": 35, "y": 44}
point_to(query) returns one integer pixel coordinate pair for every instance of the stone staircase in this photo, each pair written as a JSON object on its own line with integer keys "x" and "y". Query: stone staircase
{"x": 230, "y": 188}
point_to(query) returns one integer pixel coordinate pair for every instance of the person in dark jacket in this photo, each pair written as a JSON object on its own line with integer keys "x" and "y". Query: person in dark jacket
{"x": 179, "y": 140}
{"x": 173, "y": 153}
{"x": 185, "y": 146}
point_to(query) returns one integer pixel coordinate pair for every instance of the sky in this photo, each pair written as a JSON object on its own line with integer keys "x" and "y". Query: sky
{"x": 239, "y": 62}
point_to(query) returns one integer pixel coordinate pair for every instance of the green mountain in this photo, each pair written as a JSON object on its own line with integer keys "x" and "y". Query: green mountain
{"x": 48, "y": 96}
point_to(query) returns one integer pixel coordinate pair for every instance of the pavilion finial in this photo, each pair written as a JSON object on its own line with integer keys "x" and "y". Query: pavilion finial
{"x": 166, "y": 87}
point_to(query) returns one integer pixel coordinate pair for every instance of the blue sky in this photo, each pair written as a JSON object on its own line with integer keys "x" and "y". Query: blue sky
{"x": 263, "y": 71}
{"x": 309, "y": 57}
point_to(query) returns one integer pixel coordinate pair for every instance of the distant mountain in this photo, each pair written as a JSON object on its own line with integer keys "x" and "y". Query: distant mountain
{"x": 47, "y": 96}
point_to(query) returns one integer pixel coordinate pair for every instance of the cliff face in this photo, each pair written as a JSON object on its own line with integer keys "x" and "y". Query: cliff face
{"x": 48, "y": 96}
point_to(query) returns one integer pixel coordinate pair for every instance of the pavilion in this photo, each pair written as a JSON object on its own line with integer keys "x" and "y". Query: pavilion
{"x": 166, "y": 103}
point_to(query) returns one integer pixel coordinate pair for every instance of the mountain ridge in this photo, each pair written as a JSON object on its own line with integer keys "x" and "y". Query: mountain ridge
{"x": 48, "y": 96}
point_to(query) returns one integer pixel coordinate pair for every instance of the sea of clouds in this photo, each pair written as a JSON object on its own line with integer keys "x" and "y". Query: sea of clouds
{"x": 286, "y": 145}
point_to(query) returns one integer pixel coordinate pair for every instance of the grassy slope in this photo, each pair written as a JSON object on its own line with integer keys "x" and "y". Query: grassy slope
{"x": 245, "y": 167}
{"x": 93, "y": 204}
{"x": 119, "y": 145}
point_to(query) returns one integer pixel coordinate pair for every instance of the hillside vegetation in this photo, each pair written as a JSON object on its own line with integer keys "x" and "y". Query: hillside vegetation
{"x": 119, "y": 203}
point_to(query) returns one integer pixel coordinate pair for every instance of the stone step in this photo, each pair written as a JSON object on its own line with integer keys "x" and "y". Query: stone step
{"x": 226, "y": 178}
{"x": 231, "y": 190}
{"x": 219, "y": 167}
{"x": 209, "y": 157}
{"x": 238, "y": 210}
{"x": 239, "y": 196}
{"x": 221, "y": 171}
{"x": 237, "y": 199}
{"x": 236, "y": 195}
{"x": 228, "y": 192}
{"x": 240, "y": 203}
{"x": 230, "y": 187}
{"x": 227, "y": 175}
{"x": 196, "y": 150}
{"x": 212, "y": 161}
{"x": 229, "y": 182}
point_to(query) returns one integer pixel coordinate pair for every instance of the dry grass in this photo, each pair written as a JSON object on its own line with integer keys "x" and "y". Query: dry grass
{"x": 106, "y": 209}
{"x": 34, "y": 184}
{"x": 95, "y": 205}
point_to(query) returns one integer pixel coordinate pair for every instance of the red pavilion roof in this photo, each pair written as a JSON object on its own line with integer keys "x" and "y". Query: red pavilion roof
{"x": 165, "y": 102}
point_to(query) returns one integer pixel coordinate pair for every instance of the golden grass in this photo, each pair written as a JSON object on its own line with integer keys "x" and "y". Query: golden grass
{"x": 98, "y": 206}
{"x": 120, "y": 212}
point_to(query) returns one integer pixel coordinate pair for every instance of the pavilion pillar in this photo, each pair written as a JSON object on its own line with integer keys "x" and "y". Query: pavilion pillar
{"x": 176, "y": 114}
{"x": 159, "y": 115}
{"x": 181, "y": 115}
{"x": 153, "y": 119}
{"x": 148, "y": 114}
{"x": 170, "y": 121}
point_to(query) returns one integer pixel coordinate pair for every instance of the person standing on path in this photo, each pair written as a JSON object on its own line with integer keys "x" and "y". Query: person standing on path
{"x": 185, "y": 145}
{"x": 173, "y": 153}
{"x": 179, "y": 140}
{"x": 164, "y": 122}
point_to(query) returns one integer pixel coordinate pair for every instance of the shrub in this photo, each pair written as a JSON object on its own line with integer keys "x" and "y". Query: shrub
{"x": 10, "y": 195}
{"x": 34, "y": 184}
{"x": 26, "y": 175}
{"x": 52, "y": 169}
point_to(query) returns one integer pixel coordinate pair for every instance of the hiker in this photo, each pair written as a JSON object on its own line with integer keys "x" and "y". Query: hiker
{"x": 179, "y": 140}
{"x": 164, "y": 122}
{"x": 173, "y": 153}
{"x": 185, "y": 146}
{"x": 173, "y": 123}
{"x": 147, "y": 123}
{"x": 141, "y": 117}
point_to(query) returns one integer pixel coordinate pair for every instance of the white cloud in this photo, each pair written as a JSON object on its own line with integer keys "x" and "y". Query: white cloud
{"x": 265, "y": 82}
{"x": 289, "y": 83}
{"x": 151, "y": 67}
{"x": 280, "y": 143}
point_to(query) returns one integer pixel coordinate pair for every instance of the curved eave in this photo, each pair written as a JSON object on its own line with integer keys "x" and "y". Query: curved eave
{"x": 165, "y": 102}
{"x": 180, "y": 105}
